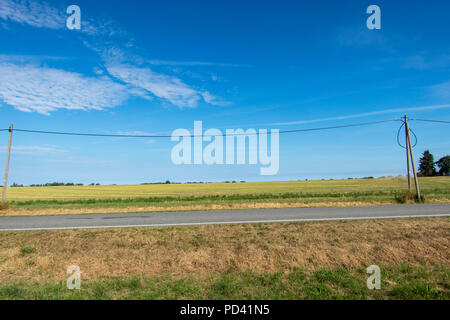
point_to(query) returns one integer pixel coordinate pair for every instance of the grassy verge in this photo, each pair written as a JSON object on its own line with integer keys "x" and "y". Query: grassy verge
{"x": 400, "y": 282}
{"x": 250, "y": 261}
{"x": 205, "y": 250}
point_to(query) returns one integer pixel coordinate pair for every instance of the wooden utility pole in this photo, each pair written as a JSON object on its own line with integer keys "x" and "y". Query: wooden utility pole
{"x": 408, "y": 141}
{"x": 5, "y": 183}
{"x": 408, "y": 172}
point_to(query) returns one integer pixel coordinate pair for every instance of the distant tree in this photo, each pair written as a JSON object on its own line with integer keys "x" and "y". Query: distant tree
{"x": 426, "y": 164}
{"x": 167, "y": 181}
{"x": 444, "y": 166}
{"x": 15, "y": 185}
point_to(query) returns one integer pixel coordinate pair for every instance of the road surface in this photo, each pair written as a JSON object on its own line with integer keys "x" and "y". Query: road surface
{"x": 154, "y": 219}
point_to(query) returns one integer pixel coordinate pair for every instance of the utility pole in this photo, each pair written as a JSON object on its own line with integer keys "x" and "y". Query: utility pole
{"x": 408, "y": 172}
{"x": 5, "y": 183}
{"x": 408, "y": 142}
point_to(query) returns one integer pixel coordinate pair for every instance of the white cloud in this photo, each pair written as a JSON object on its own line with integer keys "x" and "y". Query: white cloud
{"x": 43, "y": 15}
{"x": 124, "y": 67}
{"x": 98, "y": 71}
{"x": 32, "y": 88}
{"x": 209, "y": 98}
{"x": 160, "y": 85}
{"x": 35, "y": 14}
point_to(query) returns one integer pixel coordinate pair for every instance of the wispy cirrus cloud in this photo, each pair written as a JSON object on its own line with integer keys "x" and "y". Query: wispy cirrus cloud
{"x": 367, "y": 114}
{"x": 34, "y": 150}
{"x": 134, "y": 71}
{"x": 441, "y": 91}
{"x": 23, "y": 58}
{"x": 162, "y": 86}
{"x": 420, "y": 62}
{"x": 209, "y": 98}
{"x": 33, "y": 13}
{"x": 196, "y": 63}
{"x": 43, "y": 15}
{"x": 32, "y": 88}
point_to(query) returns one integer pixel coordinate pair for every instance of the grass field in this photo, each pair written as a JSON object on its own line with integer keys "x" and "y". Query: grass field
{"x": 258, "y": 261}
{"x": 162, "y": 197}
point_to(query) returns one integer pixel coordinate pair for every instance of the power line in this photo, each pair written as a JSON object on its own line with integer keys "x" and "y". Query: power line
{"x": 212, "y": 135}
{"x": 439, "y": 121}
{"x": 342, "y": 126}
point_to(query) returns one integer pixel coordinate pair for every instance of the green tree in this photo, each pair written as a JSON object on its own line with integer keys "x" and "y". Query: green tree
{"x": 444, "y": 165}
{"x": 426, "y": 165}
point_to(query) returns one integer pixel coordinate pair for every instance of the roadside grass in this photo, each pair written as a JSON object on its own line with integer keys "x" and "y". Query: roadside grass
{"x": 313, "y": 260}
{"x": 399, "y": 282}
{"x": 215, "y": 249}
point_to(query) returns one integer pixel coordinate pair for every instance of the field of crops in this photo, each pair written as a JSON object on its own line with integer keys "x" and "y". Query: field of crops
{"x": 280, "y": 187}
{"x": 214, "y": 196}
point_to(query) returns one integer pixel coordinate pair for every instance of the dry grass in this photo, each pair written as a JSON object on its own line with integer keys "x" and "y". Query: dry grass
{"x": 222, "y": 206}
{"x": 206, "y": 250}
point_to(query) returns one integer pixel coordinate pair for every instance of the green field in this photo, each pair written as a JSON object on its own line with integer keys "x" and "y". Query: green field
{"x": 226, "y": 195}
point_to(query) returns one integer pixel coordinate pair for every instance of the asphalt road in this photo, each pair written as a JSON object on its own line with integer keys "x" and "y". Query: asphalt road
{"x": 154, "y": 219}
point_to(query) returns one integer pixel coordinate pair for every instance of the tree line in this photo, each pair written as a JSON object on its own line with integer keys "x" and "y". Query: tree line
{"x": 54, "y": 184}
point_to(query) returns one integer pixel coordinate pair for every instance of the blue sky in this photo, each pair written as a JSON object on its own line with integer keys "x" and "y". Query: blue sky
{"x": 151, "y": 67}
